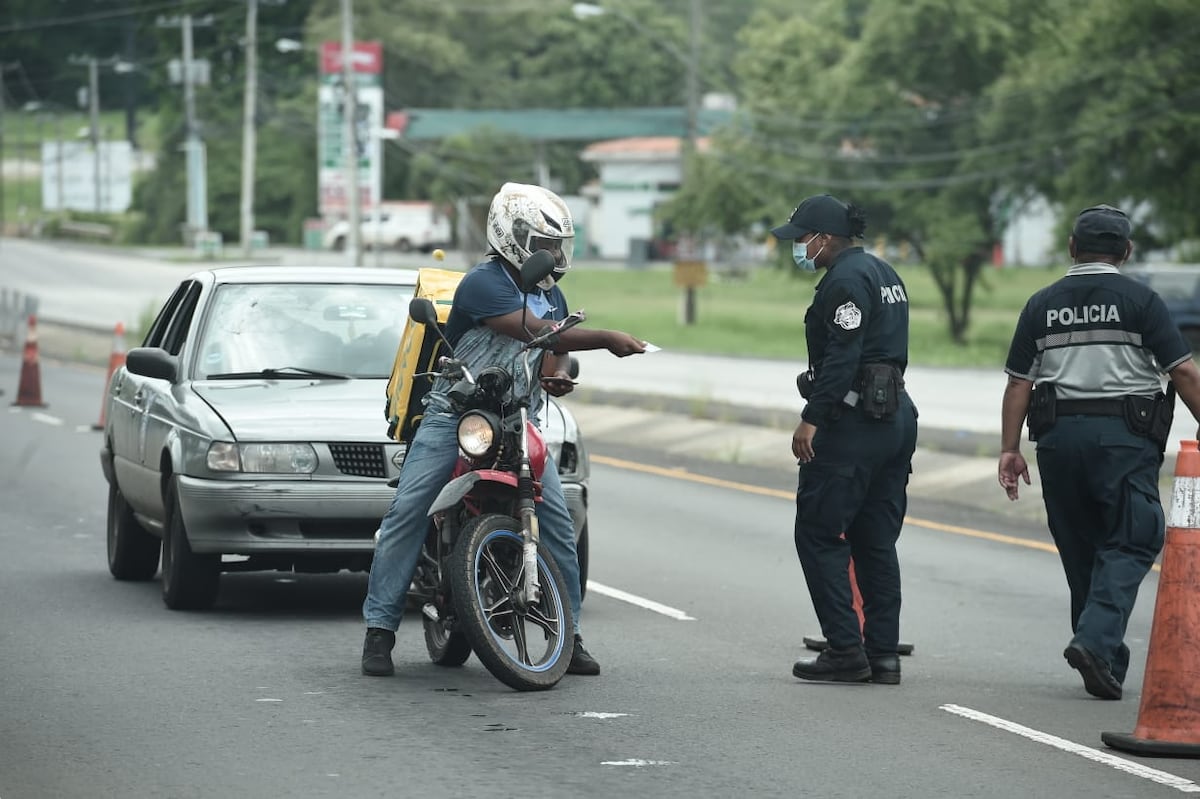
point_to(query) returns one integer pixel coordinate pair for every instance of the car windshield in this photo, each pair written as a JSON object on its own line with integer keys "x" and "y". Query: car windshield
{"x": 283, "y": 329}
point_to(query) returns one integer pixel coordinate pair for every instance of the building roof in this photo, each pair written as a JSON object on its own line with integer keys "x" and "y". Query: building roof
{"x": 638, "y": 148}
{"x": 548, "y": 124}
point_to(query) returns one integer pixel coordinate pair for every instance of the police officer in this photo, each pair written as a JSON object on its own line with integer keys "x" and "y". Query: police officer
{"x": 854, "y": 443}
{"x": 1085, "y": 366}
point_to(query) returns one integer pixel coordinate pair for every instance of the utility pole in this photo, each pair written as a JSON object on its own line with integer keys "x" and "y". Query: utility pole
{"x": 197, "y": 196}
{"x": 3, "y": 67}
{"x": 249, "y": 126}
{"x": 94, "y": 127}
{"x": 688, "y": 151}
{"x": 349, "y": 138}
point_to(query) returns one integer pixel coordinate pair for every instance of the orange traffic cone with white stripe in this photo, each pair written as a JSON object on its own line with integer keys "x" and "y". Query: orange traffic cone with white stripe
{"x": 818, "y": 644}
{"x": 116, "y": 360}
{"x": 1168, "y": 722}
{"x": 29, "y": 389}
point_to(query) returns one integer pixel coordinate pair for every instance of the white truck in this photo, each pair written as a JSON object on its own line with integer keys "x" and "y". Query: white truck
{"x": 403, "y": 226}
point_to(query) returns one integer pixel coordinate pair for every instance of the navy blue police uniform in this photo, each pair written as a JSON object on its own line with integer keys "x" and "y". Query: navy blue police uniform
{"x": 1095, "y": 344}
{"x": 856, "y": 483}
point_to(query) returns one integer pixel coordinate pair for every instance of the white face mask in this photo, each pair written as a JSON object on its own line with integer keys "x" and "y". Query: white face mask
{"x": 800, "y": 255}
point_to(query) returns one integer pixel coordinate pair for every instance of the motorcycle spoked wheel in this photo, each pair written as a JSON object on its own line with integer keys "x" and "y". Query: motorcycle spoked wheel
{"x": 447, "y": 645}
{"x": 526, "y": 647}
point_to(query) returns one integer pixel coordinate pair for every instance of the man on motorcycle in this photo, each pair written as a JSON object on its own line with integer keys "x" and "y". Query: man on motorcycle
{"x": 487, "y": 326}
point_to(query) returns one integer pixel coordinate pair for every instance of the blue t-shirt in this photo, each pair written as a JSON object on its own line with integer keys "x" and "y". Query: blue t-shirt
{"x": 488, "y": 291}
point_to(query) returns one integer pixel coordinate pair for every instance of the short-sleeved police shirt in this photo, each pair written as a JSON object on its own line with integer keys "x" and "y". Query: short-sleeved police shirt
{"x": 1096, "y": 333}
{"x": 859, "y": 315}
{"x": 485, "y": 292}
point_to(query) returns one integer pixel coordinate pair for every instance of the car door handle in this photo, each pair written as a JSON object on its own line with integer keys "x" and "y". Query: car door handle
{"x": 139, "y": 398}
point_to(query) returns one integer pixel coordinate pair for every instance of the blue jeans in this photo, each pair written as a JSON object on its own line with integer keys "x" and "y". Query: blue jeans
{"x": 427, "y": 467}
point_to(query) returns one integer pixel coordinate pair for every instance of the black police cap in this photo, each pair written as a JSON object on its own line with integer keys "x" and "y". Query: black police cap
{"x": 821, "y": 213}
{"x": 1102, "y": 229}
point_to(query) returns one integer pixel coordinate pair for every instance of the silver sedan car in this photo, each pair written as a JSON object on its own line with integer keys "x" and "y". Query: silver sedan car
{"x": 248, "y": 431}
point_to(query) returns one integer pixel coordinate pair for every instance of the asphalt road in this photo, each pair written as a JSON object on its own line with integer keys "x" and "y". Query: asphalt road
{"x": 106, "y": 693}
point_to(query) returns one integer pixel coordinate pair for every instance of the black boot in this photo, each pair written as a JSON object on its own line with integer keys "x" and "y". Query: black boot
{"x": 377, "y": 652}
{"x": 1097, "y": 678}
{"x": 885, "y": 669}
{"x": 582, "y": 661}
{"x": 835, "y": 665}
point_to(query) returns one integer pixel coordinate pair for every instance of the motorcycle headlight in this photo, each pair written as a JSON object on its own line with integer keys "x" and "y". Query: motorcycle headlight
{"x": 478, "y": 434}
{"x": 224, "y": 456}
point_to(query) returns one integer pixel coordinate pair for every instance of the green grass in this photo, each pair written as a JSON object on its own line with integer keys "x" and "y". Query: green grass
{"x": 762, "y": 315}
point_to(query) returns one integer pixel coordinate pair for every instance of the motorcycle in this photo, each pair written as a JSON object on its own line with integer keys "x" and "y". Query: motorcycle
{"x": 484, "y": 581}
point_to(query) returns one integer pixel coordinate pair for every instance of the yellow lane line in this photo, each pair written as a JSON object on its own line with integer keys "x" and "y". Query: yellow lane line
{"x": 682, "y": 474}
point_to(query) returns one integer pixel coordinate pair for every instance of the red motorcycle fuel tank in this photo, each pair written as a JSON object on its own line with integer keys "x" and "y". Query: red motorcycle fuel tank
{"x": 537, "y": 451}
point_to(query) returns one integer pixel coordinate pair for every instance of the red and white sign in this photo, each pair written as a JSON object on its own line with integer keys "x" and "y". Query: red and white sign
{"x": 366, "y": 58}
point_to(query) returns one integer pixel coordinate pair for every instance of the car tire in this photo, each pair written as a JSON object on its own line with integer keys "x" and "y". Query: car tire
{"x": 404, "y": 245}
{"x": 189, "y": 581}
{"x": 132, "y": 552}
{"x": 581, "y": 552}
{"x": 339, "y": 244}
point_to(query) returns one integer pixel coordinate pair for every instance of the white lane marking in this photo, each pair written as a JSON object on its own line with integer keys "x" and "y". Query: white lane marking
{"x": 1119, "y": 763}
{"x": 46, "y": 418}
{"x": 636, "y": 762}
{"x": 596, "y": 714}
{"x": 268, "y": 699}
{"x": 84, "y": 428}
{"x": 641, "y": 602}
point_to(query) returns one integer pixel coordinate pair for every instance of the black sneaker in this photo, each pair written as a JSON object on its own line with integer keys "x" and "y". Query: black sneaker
{"x": 885, "y": 669}
{"x": 1097, "y": 678}
{"x": 581, "y": 660}
{"x": 835, "y": 665}
{"x": 377, "y": 652}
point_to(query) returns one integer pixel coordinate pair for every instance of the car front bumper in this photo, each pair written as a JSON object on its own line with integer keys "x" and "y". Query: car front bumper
{"x": 276, "y": 516}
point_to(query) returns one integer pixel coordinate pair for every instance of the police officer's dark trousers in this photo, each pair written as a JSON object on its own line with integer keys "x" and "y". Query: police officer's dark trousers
{"x": 856, "y": 485}
{"x": 1100, "y": 486}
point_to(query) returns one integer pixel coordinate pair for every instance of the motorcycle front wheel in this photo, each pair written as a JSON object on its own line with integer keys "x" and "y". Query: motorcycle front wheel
{"x": 527, "y": 646}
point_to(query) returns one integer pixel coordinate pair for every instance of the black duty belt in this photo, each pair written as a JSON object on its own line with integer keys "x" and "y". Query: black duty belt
{"x": 1090, "y": 407}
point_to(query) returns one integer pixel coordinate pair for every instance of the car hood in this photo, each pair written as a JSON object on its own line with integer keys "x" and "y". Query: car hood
{"x": 308, "y": 410}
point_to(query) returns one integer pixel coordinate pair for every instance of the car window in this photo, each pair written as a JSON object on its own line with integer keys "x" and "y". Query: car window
{"x": 158, "y": 329}
{"x": 1173, "y": 285}
{"x": 177, "y": 331}
{"x": 351, "y": 329}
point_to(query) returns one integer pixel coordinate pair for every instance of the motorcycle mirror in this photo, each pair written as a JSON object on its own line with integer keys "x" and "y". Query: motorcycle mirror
{"x": 420, "y": 310}
{"x": 537, "y": 267}
{"x": 573, "y": 367}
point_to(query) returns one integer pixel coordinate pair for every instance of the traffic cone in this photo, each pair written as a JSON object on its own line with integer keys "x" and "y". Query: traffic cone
{"x": 29, "y": 390}
{"x": 1168, "y": 722}
{"x": 115, "y": 361}
{"x": 818, "y": 644}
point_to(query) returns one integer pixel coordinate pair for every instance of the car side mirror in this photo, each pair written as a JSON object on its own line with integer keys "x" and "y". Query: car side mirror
{"x": 537, "y": 267}
{"x": 152, "y": 362}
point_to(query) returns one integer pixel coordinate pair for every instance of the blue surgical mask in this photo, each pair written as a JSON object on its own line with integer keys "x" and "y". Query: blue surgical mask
{"x": 800, "y": 256}
{"x": 538, "y": 304}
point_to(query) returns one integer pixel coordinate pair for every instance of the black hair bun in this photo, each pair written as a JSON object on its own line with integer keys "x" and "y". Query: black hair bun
{"x": 857, "y": 218}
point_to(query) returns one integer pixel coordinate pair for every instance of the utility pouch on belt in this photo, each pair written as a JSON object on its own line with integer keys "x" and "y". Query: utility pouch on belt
{"x": 804, "y": 383}
{"x": 1151, "y": 417}
{"x": 1042, "y": 413}
{"x": 881, "y": 384}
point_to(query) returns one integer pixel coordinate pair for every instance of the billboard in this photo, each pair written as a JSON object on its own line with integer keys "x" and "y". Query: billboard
{"x": 79, "y": 177}
{"x": 367, "y": 59}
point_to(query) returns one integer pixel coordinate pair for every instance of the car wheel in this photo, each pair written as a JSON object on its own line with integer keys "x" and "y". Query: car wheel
{"x": 581, "y": 550}
{"x": 132, "y": 552}
{"x": 339, "y": 244}
{"x": 404, "y": 245}
{"x": 189, "y": 581}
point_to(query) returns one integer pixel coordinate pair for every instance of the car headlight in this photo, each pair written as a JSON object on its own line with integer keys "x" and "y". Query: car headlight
{"x": 478, "y": 434}
{"x": 262, "y": 458}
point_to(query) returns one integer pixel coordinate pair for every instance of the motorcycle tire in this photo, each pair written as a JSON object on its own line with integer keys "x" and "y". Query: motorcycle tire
{"x": 447, "y": 645}
{"x": 485, "y": 579}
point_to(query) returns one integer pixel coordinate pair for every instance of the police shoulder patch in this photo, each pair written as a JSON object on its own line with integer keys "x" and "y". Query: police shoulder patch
{"x": 847, "y": 316}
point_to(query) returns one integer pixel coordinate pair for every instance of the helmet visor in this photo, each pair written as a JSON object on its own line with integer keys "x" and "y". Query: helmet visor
{"x": 561, "y": 249}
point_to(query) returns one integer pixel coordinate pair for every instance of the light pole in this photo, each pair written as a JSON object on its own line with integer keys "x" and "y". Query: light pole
{"x": 378, "y": 135}
{"x": 249, "y": 127}
{"x": 349, "y": 137}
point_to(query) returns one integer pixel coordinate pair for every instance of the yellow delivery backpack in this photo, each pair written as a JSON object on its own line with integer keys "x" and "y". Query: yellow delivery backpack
{"x": 418, "y": 352}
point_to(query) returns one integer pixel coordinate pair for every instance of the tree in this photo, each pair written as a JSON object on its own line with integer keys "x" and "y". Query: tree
{"x": 1107, "y": 109}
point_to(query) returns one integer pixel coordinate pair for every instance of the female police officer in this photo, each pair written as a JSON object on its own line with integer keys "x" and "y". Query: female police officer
{"x": 854, "y": 443}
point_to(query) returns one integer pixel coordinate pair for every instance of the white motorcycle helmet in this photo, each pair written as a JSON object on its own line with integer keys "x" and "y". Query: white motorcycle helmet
{"x": 525, "y": 218}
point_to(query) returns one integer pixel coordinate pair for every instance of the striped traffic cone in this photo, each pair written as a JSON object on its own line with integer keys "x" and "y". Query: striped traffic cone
{"x": 116, "y": 360}
{"x": 1168, "y": 722}
{"x": 29, "y": 389}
